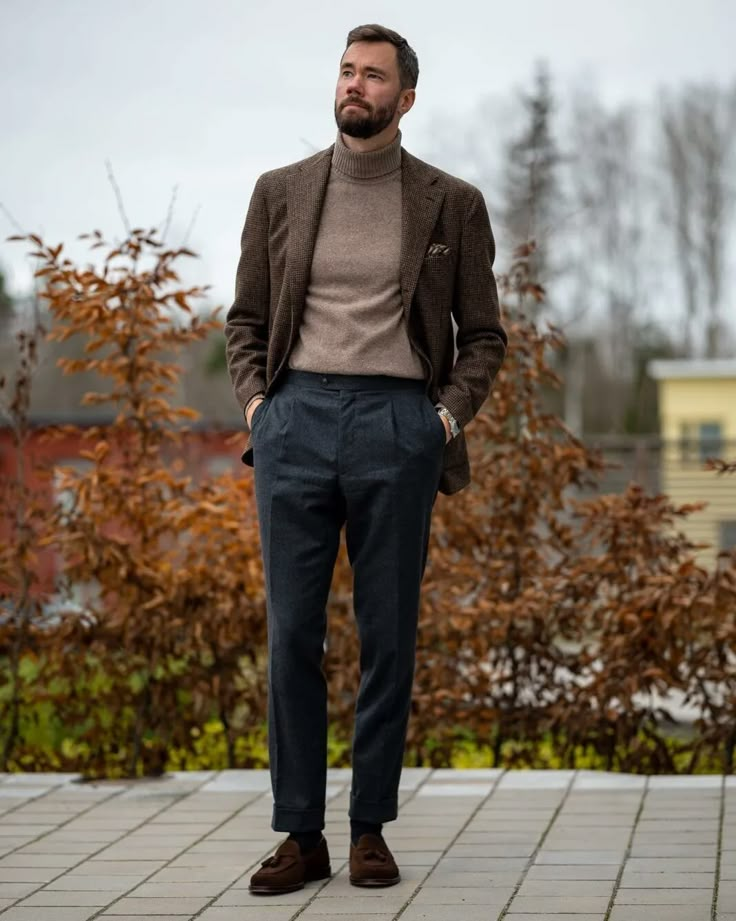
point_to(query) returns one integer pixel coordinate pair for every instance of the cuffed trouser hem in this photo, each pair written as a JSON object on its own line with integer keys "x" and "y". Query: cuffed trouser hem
{"x": 284, "y": 819}
{"x": 383, "y": 811}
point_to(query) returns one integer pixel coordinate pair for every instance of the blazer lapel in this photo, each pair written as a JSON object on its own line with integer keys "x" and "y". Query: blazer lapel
{"x": 421, "y": 200}
{"x": 304, "y": 198}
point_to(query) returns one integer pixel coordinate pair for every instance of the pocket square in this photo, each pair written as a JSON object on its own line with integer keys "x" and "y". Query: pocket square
{"x": 437, "y": 249}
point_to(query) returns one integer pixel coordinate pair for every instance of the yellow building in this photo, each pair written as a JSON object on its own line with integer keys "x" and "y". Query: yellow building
{"x": 697, "y": 420}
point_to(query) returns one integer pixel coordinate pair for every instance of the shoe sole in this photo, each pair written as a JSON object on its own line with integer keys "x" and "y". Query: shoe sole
{"x": 375, "y": 883}
{"x": 280, "y": 890}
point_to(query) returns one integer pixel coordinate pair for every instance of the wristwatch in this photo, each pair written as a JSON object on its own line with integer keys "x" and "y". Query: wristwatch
{"x": 444, "y": 411}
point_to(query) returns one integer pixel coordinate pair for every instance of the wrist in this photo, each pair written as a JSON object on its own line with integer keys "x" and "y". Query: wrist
{"x": 256, "y": 396}
{"x": 250, "y": 407}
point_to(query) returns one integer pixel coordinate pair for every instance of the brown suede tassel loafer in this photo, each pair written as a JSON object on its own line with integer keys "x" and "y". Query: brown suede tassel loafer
{"x": 288, "y": 869}
{"x": 372, "y": 863}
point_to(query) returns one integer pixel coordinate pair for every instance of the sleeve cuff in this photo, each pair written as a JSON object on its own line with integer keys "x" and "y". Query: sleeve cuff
{"x": 256, "y": 396}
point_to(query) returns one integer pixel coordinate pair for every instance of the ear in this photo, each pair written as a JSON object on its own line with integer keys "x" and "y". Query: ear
{"x": 407, "y": 100}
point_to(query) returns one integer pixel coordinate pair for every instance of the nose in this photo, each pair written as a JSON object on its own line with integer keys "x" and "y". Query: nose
{"x": 354, "y": 86}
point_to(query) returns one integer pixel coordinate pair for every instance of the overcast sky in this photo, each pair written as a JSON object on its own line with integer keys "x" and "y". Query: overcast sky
{"x": 207, "y": 95}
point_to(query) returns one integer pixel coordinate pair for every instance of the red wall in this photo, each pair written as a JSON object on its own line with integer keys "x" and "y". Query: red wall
{"x": 203, "y": 452}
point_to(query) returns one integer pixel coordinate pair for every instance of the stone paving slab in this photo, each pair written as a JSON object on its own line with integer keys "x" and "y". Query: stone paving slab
{"x": 475, "y": 845}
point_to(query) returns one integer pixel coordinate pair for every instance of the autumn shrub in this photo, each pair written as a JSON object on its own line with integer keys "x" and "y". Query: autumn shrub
{"x": 174, "y": 625}
{"x": 28, "y": 528}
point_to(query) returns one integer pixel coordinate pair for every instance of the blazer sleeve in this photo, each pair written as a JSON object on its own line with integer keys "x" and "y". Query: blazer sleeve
{"x": 481, "y": 339}
{"x": 247, "y": 320}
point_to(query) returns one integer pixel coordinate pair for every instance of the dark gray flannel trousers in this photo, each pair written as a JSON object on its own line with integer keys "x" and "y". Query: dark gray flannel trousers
{"x": 363, "y": 451}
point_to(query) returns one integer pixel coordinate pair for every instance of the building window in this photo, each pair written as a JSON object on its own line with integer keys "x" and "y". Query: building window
{"x": 728, "y": 535}
{"x": 701, "y": 440}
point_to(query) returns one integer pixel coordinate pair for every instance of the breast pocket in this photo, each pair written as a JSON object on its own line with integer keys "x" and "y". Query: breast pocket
{"x": 437, "y": 276}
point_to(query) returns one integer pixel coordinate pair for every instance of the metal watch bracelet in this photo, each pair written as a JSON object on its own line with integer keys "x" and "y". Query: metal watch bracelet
{"x": 444, "y": 411}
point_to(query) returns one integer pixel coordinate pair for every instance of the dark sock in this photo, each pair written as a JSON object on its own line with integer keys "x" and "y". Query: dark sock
{"x": 358, "y": 828}
{"x": 307, "y": 840}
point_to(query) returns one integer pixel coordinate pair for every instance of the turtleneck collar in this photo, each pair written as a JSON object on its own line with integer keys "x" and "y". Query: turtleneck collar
{"x": 368, "y": 165}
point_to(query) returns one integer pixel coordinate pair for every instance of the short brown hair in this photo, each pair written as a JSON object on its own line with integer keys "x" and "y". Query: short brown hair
{"x": 405, "y": 54}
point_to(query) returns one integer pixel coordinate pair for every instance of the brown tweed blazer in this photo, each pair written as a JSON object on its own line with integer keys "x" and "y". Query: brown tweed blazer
{"x": 447, "y": 253}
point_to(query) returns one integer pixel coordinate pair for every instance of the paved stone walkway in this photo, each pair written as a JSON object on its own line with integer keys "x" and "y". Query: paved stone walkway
{"x": 472, "y": 846}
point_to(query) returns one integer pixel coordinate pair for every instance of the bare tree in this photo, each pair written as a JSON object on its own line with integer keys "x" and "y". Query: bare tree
{"x": 698, "y": 141}
{"x": 608, "y": 179}
{"x": 607, "y": 193}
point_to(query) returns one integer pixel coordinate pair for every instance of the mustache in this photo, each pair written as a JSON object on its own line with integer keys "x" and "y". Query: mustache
{"x": 353, "y": 102}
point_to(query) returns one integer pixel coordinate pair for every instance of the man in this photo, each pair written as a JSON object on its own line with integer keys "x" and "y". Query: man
{"x": 340, "y": 347}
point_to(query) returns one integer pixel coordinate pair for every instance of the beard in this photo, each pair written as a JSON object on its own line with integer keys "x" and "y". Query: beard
{"x": 365, "y": 123}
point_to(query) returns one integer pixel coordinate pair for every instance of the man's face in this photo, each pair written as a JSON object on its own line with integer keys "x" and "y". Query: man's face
{"x": 368, "y": 92}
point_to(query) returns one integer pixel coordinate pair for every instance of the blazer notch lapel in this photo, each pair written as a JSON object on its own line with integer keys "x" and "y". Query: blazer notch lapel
{"x": 304, "y": 199}
{"x": 421, "y": 200}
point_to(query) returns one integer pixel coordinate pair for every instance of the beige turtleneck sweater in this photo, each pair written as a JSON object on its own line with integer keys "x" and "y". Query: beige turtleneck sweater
{"x": 353, "y": 320}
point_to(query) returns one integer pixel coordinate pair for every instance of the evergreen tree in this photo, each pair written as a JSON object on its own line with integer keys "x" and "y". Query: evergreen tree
{"x": 531, "y": 187}
{"x": 6, "y": 302}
